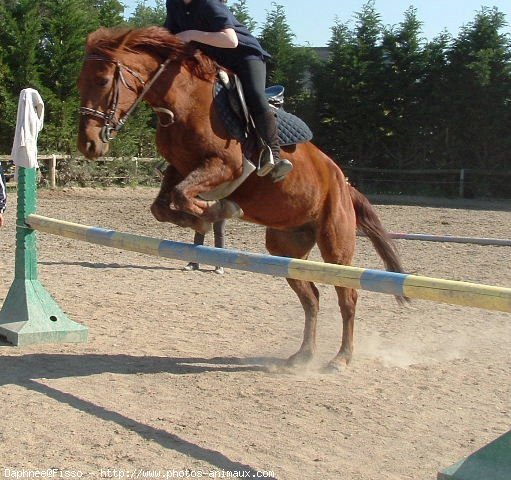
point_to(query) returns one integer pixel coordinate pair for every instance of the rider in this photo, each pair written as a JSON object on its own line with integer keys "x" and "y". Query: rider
{"x": 211, "y": 25}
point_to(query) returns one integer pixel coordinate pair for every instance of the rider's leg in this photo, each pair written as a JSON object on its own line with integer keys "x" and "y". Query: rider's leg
{"x": 252, "y": 74}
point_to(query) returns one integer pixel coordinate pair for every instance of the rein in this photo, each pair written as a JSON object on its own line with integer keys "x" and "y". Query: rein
{"x": 111, "y": 126}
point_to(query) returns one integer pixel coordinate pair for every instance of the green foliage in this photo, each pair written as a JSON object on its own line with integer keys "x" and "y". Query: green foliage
{"x": 121, "y": 172}
{"x": 405, "y": 66}
{"x": 65, "y": 25}
{"x": 145, "y": 16}
{"x": 109, "y": 12}
{"x": 240, "y": 11}
{"x": 20, "y": 37}
{"x": 383, "y": 97}
{"x": 286, "y": 66}
{"x": 277, "y": 38}
{"x": 387, "y": 98}
{"x": 137, "y": 136}
{"x": 479, "y": 85}
{"x": 7, "y": 99}
{"x": 351, "y": 91}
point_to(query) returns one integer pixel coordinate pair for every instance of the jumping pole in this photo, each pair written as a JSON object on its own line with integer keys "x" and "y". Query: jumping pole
{"x": 399, "y": 284}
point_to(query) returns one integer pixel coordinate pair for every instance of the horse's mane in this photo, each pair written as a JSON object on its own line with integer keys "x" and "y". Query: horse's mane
{"x": 155, "y": 40}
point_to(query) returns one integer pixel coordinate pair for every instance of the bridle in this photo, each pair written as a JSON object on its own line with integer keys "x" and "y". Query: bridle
{"x": 111, "y": 125}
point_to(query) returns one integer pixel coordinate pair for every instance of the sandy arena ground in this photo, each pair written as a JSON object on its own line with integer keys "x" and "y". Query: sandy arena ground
{"x": 174, "y": 376}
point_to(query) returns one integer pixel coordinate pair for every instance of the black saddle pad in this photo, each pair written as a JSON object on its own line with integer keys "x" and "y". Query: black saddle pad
{"x": 292, "y": 130}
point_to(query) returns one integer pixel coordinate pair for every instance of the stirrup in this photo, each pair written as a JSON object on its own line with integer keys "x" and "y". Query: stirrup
{"x": 281, "y": 170}
{"x": 266, "y": 163}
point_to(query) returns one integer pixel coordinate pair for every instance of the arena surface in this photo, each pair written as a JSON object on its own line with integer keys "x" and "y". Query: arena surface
{"x": 177, "y": 378}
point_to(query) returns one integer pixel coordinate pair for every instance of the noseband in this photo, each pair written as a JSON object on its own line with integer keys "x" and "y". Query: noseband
{"x": 111, "y": 125}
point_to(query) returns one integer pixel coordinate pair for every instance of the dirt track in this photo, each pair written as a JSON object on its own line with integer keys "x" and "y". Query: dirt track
{"x": 175, "y": 374}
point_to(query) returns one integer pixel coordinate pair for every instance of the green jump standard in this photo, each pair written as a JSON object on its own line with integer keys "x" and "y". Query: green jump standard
{"x": 29, "y": 314}
{"x": 492, "y": 462}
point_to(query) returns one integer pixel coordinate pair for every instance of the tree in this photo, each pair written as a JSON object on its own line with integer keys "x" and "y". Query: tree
{"x": 434, "y": 99}
{"x": 19, "y": 68}
{"x": 479, "y": 89}
{"x": 145, "y": 16}
{"x": 277, "y": 38}
{"x": 109, "y": 12}
{"x": 286, "y": 65}
{"x": 66, "y": 24}
{"x": 333, "y": 86}
{"x": 240, "y": 11}
{"x": 20, "y": 37}
{"x": 404, "y": 64}
{"x": 351, "y": 92}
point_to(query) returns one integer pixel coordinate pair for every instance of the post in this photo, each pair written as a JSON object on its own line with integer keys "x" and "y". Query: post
{"x": 462, "y": 183}
{"x": 52, "y": 171}
{"x": 29, "y": 314}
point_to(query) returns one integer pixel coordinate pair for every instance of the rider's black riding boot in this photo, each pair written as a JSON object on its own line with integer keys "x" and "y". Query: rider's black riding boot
{"x": 269, "y": 158}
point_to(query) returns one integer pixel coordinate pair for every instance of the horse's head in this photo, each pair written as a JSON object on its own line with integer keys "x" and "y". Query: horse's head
{"x": 119, "y": 68}
{"x": 108, "y": 88}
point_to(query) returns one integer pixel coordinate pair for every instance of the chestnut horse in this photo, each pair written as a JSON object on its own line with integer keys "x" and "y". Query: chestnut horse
{"x": 313, "y": 205}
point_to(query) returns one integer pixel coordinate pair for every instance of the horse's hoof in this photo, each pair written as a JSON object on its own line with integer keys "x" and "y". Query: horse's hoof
{"x": 232, "y": 209}
{"x": 332, "y": 368}
{"x": 202, "y": 226}
{"x": 222, "y": 209}
{"x": 219, "y": 270}
{"x": 337, "y": 365}
{"x": 299, "y": 359}
{"x": 191, "y": 267}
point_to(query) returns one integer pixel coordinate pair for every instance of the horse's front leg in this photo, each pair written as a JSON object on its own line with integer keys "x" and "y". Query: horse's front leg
{"x": 203, "y": 179}
{"x": 161, "y": 207}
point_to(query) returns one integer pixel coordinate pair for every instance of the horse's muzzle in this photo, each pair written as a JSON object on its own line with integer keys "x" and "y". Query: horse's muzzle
{"x": 92, "y": 148}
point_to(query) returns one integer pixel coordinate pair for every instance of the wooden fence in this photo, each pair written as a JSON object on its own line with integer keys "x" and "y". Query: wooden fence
{"x": 460, "y": 182}
{"x": 51, "y": 163}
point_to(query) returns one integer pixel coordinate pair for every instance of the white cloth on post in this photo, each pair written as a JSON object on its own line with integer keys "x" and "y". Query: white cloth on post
{"x": 29, "y": 123}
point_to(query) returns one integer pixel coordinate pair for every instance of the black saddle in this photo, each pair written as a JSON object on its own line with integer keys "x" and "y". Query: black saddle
{"x": 230, "y": 103}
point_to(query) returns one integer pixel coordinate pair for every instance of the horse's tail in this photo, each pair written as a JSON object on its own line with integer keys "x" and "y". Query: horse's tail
{"x": 369, "y": 224}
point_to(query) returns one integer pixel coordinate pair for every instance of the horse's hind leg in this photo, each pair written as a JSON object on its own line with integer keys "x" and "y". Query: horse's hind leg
{"x": 298, "y": 244}
{"x": 336, "y": 242}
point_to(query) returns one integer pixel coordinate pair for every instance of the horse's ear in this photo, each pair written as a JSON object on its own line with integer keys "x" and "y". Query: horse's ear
{"x": 124, "y": 37}
{"x": 106, "y": 38}
{"x": 156, "y": 39}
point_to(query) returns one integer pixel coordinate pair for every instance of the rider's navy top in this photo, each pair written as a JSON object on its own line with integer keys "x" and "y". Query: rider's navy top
{"x": 3, "y": 196}
{"x": 214, "y": 16}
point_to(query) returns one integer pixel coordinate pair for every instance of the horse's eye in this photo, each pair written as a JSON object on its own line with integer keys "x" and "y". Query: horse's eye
{"x": 102, "y": 82}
